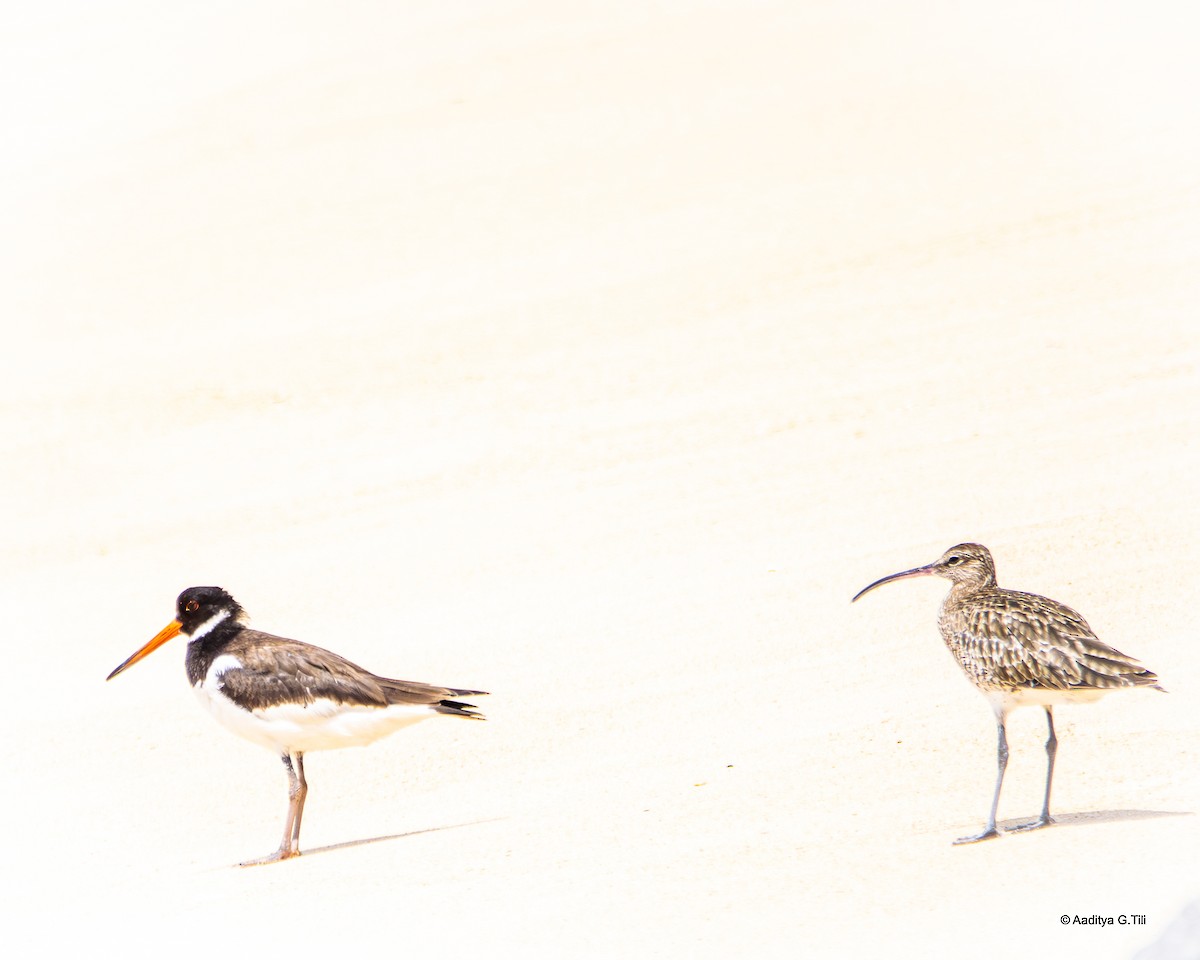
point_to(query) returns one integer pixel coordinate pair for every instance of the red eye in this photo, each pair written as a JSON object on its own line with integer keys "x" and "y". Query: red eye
{"x": 191, "y": 606}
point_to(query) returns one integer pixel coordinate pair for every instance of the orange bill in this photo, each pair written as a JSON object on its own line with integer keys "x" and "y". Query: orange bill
{"x": 166, "y": 633}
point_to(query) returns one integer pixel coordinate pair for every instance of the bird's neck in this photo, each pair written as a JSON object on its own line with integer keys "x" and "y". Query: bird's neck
{"x": 203, "y": 650}
{"x": 964, "y": 590}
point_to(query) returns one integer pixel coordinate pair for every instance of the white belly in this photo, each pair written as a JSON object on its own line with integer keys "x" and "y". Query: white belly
{"x": 300, "y": 728}
{"x": 1006, "y": 700}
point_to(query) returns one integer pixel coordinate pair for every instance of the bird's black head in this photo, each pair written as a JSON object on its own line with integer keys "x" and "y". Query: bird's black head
{"x": 198, "y": 611}
{"x": 200, "y": 606}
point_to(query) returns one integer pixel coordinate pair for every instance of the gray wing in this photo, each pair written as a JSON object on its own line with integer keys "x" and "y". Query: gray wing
{"x": 288, "y": 671}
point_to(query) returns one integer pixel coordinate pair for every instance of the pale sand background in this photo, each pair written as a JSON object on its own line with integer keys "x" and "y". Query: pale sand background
{"x": 596, "y": 357}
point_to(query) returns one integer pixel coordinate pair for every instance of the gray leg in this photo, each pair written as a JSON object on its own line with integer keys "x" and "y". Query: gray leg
{"x": 289, "y": 846}
{"x": 1001, "y": 762}
{"x": 1051, "y": 753}
{"x": 1051, "y": 750}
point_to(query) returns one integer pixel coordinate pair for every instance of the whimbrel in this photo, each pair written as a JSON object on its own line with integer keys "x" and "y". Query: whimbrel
{"x": 1020, "y": 649}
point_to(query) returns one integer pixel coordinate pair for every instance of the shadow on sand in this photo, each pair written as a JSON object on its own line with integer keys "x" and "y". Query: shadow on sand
{"x": 395, "y": 836}
{"x": 1094, "y": 816}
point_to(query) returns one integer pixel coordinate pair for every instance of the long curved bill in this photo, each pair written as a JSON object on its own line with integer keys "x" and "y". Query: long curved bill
{"x": 166, "y": 633}
{"x": 904, "y": 575}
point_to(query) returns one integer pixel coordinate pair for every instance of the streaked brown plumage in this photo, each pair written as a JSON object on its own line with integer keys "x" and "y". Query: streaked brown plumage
{"x": 1020, "y": 649}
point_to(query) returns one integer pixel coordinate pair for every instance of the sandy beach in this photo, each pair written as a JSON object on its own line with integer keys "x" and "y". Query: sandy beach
{"x": 595, "y": 355}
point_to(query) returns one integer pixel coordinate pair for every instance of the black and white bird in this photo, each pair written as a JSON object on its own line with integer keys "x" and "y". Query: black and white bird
{"x": 288, "y": 696}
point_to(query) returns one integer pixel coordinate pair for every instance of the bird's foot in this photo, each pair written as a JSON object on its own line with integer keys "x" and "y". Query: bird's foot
{"x": 1036, "y": 824}
{"x": 283, "y": 853}
{"x": 986, "y": 835}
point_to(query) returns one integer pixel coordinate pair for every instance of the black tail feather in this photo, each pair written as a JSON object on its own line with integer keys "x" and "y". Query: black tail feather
{"x": 456, "y": 708}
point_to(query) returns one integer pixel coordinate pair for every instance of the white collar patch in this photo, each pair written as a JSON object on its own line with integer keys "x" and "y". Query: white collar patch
{"x": 209, "y": 625}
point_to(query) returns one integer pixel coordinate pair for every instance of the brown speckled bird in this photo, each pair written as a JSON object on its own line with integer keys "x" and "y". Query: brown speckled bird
{"x": 1020, "y": 649}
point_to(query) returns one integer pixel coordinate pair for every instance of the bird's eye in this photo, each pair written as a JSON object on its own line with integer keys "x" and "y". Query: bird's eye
{"x": 192, "y": 606}
{"x": 953, "y": 561}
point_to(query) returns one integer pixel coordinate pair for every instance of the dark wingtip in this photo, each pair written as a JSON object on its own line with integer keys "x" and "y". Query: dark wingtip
{"x": 456, "y": 708}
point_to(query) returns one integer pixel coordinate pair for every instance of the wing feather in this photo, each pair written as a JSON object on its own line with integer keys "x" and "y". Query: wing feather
{"x": 1009, "y": 639}
{"x": 276, "y": 670}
